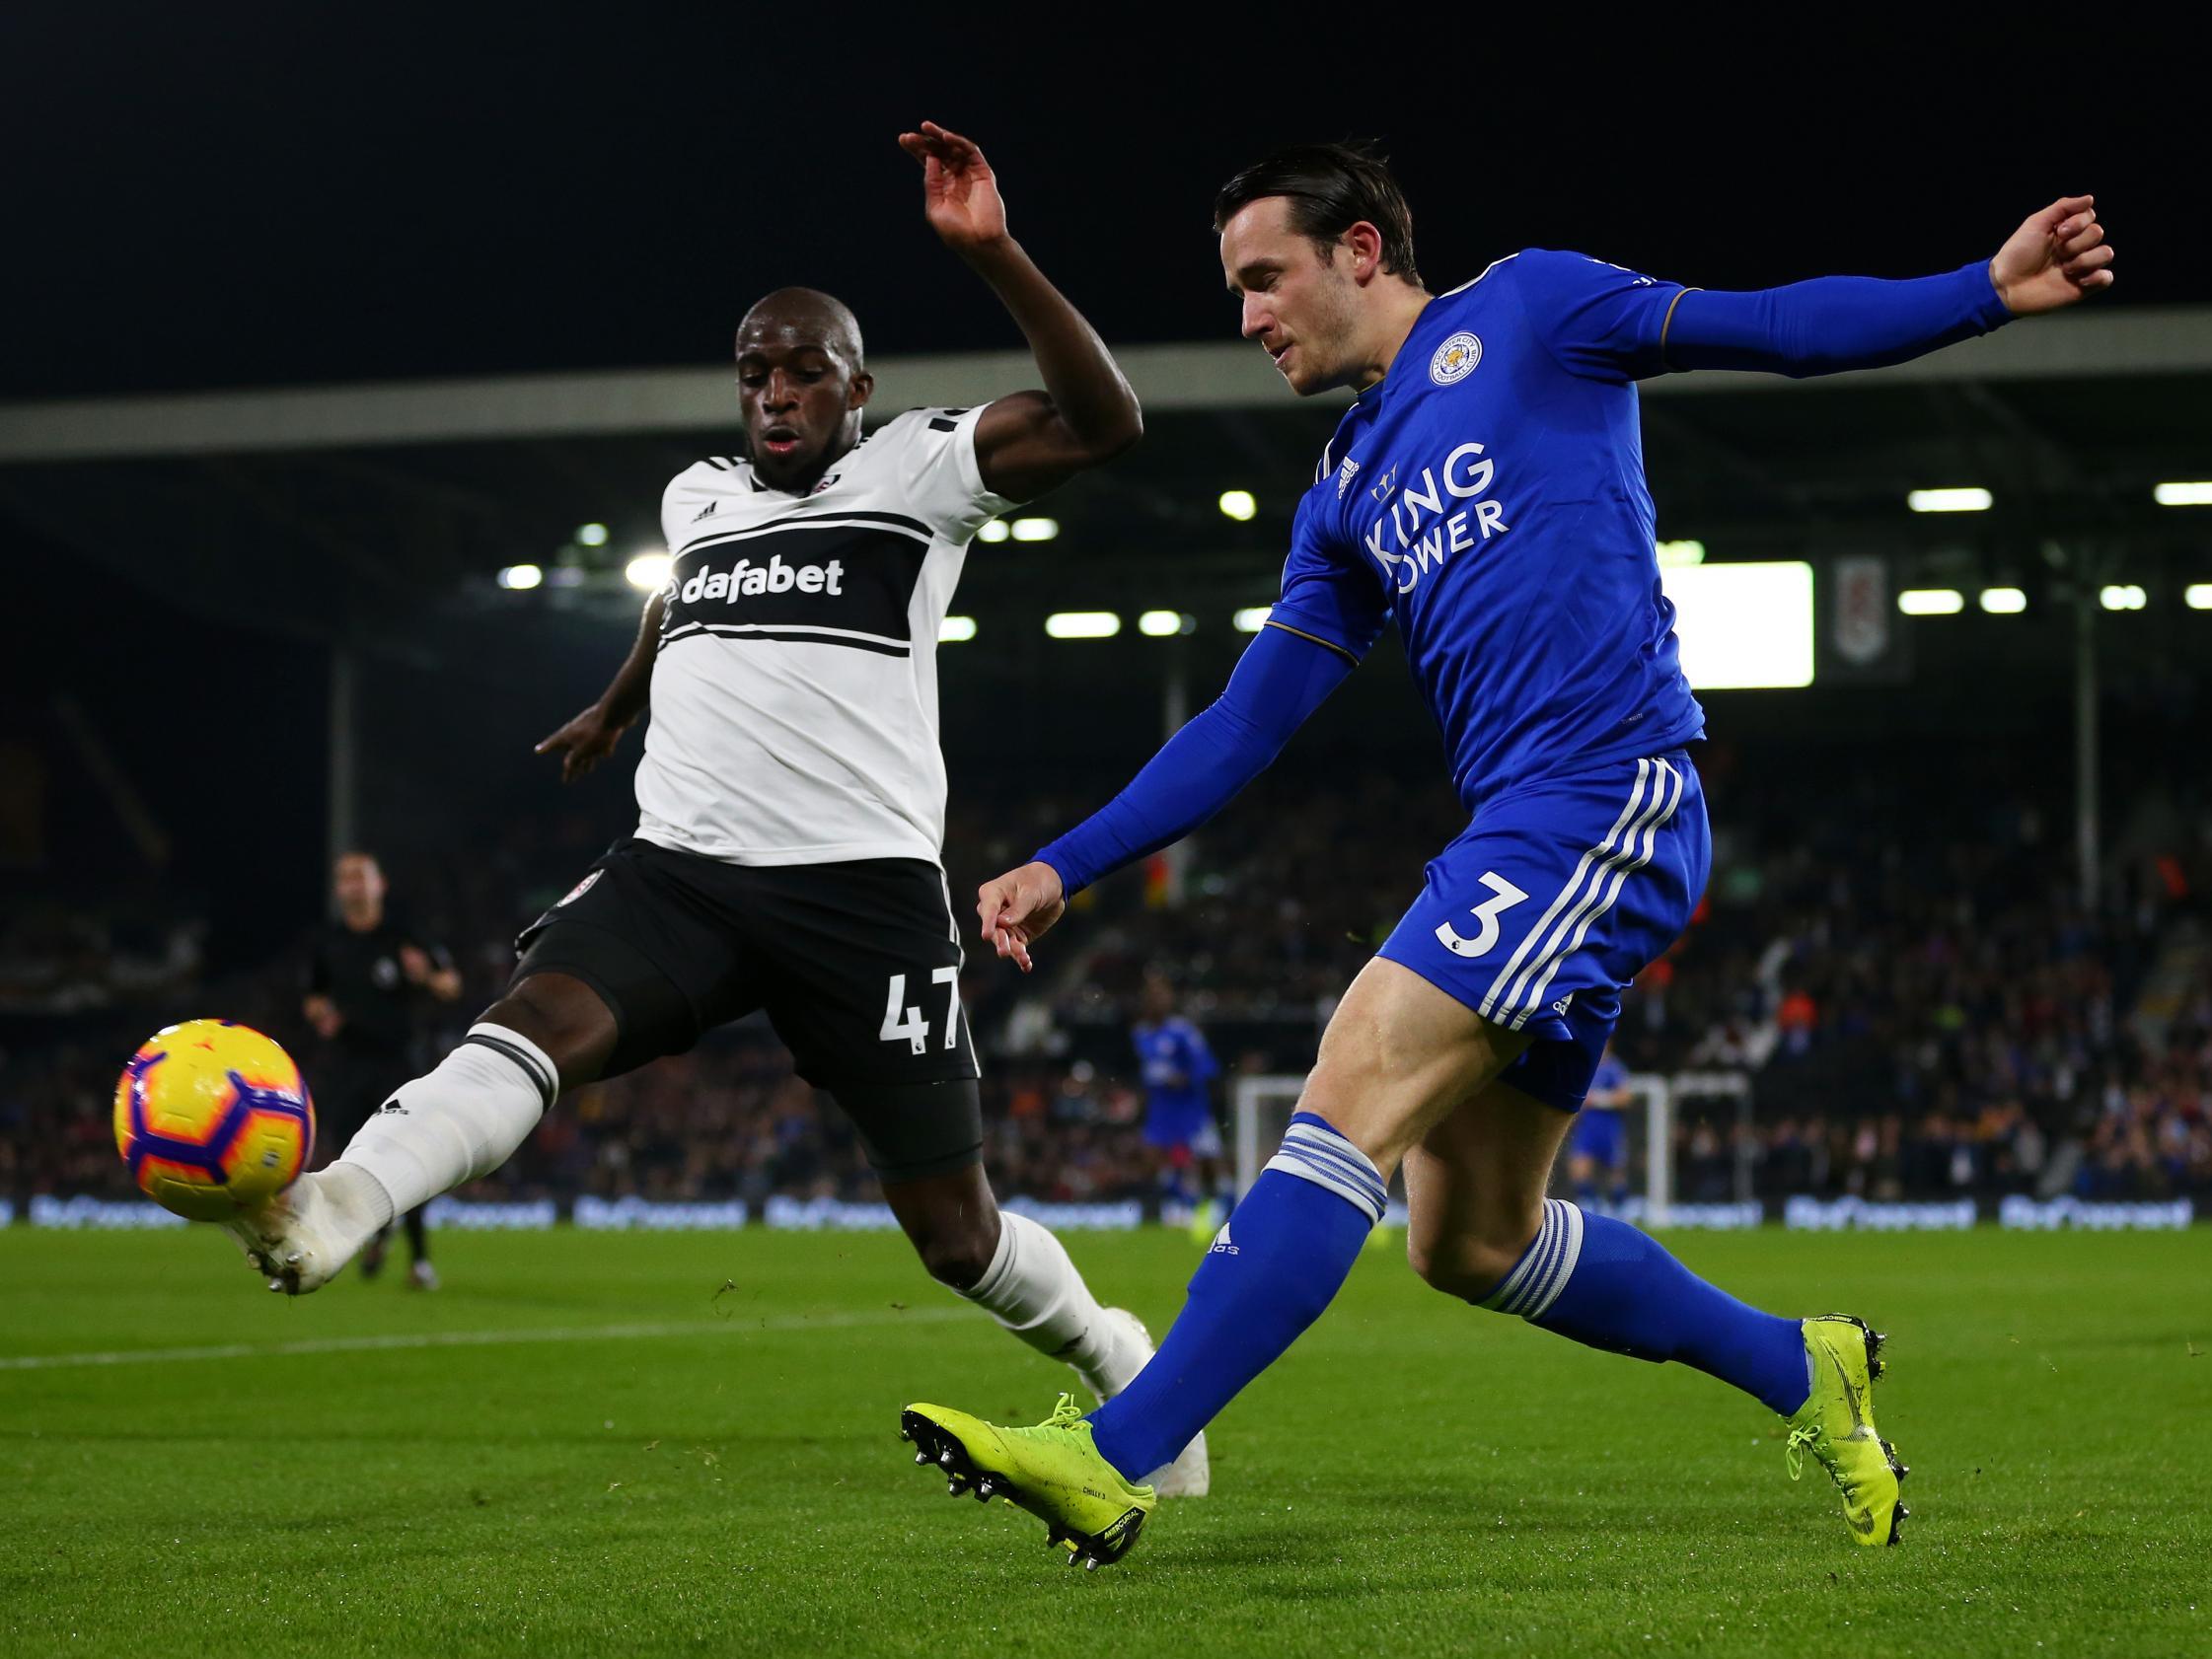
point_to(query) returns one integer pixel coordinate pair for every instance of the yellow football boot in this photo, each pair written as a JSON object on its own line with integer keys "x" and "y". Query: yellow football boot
{"x": 1053, "y": 1471}
{"x": 1836, "y": 1425}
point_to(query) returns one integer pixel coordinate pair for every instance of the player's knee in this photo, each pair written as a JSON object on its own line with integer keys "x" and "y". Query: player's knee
{"x": 1351, "y": 1094}
{"x": 958, "y": 1254}
{"x": 1467, "y": 1267}
{"x": 563, "y": 1017}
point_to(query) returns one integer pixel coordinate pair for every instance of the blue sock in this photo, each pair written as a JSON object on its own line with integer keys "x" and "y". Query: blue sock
{"x": 1608, "y": 1286}
{"x": 1277, "y": 1264}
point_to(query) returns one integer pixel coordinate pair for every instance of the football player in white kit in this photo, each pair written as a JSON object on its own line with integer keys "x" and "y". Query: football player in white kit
{"x": 790, "y": 804}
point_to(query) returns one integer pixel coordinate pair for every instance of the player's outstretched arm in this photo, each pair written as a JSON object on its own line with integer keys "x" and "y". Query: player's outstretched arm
{"x": 1031, "y": 441}
{"x": 1281, "y": 679}
{"x": 591, "y": 735}
{"x": 1599, "y": 320}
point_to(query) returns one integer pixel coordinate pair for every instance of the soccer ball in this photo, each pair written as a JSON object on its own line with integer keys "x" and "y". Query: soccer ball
{"x": 213, "y": 1119}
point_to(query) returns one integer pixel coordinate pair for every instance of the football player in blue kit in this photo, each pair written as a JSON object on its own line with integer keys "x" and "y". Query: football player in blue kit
{"x": 1599, "y": 1139}
{"x": 1179, "y": 1069}
{"x": 1485, "y": 491}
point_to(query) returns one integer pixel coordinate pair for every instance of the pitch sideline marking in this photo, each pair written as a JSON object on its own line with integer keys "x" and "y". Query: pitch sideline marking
{"x": 471, "y": 1340}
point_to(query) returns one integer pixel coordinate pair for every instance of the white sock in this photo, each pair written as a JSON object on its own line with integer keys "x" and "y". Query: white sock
{"x": 459, "y": 1120}
{"x": 1034, "y": 1291}
{"x": 358, "y": 1199}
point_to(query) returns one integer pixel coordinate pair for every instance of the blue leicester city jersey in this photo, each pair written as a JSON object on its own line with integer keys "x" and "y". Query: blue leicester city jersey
{"x": 1177, "y": 1066}
{"x": 1488, "y": 494}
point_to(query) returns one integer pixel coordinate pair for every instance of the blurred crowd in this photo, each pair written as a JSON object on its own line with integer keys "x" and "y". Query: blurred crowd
{"x": 1903, "y": 967}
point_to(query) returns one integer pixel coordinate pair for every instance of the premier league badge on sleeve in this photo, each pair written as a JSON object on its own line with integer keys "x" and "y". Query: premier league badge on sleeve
{"x": 1455, "y": 359}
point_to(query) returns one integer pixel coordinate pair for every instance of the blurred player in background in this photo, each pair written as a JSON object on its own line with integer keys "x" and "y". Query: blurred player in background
{"x": 1485, "y": 492}
{"x": 1600, "y": 1138}
{"x": 368, "y": 976}
{"x": 790, "y": 804}
{"x": 1179, "y": 1125}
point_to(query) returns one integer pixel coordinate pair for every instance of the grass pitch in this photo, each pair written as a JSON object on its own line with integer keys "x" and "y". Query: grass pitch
{"x": 585, "y": 1446}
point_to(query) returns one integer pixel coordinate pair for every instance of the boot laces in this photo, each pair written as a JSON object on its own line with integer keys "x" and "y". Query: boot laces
{"x": 1803, "y": 1438}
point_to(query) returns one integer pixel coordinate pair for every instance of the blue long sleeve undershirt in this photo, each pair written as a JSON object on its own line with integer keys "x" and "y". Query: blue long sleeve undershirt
{"x": 1831, "y": 322}
{"x": 1280, "y": 680}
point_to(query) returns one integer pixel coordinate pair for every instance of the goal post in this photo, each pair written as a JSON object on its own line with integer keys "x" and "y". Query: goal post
{"x": 1657, "y": 1100}
{"x": 1261, "y": 1107}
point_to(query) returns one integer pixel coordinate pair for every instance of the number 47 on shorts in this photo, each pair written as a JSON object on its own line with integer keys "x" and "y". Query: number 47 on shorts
{"x": 912, "y": 1023}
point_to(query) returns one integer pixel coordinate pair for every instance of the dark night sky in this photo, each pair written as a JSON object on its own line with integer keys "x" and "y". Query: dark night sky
{"x": 233, "y": 195}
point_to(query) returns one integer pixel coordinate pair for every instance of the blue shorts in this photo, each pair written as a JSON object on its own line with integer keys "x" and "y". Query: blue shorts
{"x": 1601, "y": 1137}
{"x": 1553, "y": 900}
{"x": 1187, "y": 1128}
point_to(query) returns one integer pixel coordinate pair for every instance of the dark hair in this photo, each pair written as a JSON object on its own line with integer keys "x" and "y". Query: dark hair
{"x": 1330, "y": 188}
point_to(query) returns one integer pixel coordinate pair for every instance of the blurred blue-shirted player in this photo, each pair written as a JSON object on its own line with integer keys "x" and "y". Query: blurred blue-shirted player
{"x": 1599, "y": 1140}
{"x": 1179, "y": 1071}
{"x": 1485, "y": 494}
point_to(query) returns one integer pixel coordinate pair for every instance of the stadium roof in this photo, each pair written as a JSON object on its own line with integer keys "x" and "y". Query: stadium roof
{"x": 360, "y": 509}
{"x": 2161, "y": 341}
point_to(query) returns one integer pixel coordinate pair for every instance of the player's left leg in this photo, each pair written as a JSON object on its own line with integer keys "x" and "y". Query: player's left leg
{"x": 420, "y": 1273}
{"x": 1582, "y": 1170}
{"x": 867, "y": 995}
{"x": 924, "y": 1141}
{"x": 1212, "y": 1204}
{"x": 1596, "y": 1143}
{"x": 1482, "y": 1230}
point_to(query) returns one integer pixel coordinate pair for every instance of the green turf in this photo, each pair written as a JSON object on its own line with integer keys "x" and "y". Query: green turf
{"x": 1417, "y": 1477}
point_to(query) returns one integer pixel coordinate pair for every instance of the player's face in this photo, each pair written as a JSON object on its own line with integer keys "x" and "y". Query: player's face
{"x": 358, "y": 882}
{"x": 801, "y": 400}
{"x": 1300, "y": 307}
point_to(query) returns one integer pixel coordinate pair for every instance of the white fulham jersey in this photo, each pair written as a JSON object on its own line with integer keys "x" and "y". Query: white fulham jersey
{"x": 794, "y": 693}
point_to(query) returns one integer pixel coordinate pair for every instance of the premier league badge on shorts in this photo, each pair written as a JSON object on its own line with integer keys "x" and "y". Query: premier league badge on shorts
{"x": 1455, "y": 359}
{"x": 579, "y": 890}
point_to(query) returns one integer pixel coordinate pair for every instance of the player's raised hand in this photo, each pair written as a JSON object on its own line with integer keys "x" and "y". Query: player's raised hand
{"x": 1018, "y": 908}
{"x": 958, "y": 191}
{"x": 583, "y": 742}
{"x": 2052, "y": 260}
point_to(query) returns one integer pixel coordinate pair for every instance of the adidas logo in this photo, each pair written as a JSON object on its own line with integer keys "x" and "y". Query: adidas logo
{"x": 1222, "y": 1244}
{"x": 395, "y": 1106}
{"x": 706, "y": 511}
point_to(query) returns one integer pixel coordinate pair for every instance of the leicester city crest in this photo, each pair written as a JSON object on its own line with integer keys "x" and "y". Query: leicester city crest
{"x": 1455, "y": 359}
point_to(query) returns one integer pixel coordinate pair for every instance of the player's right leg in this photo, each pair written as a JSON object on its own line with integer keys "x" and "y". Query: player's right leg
{"x": 608, "y": 979}
{"x": 461, "y": 1120}
{"x": 1398, "y": 1055}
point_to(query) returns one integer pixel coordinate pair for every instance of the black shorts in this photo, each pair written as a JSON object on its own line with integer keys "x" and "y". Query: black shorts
{"x": 857, "y": 966}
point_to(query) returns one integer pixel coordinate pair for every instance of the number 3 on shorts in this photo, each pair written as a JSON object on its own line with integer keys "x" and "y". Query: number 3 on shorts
{"x": 911, "y": 1024}
{"x": 1487, "y": 912}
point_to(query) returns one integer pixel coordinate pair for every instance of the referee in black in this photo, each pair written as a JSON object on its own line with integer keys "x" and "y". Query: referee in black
{"x": 367, "y": 977}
